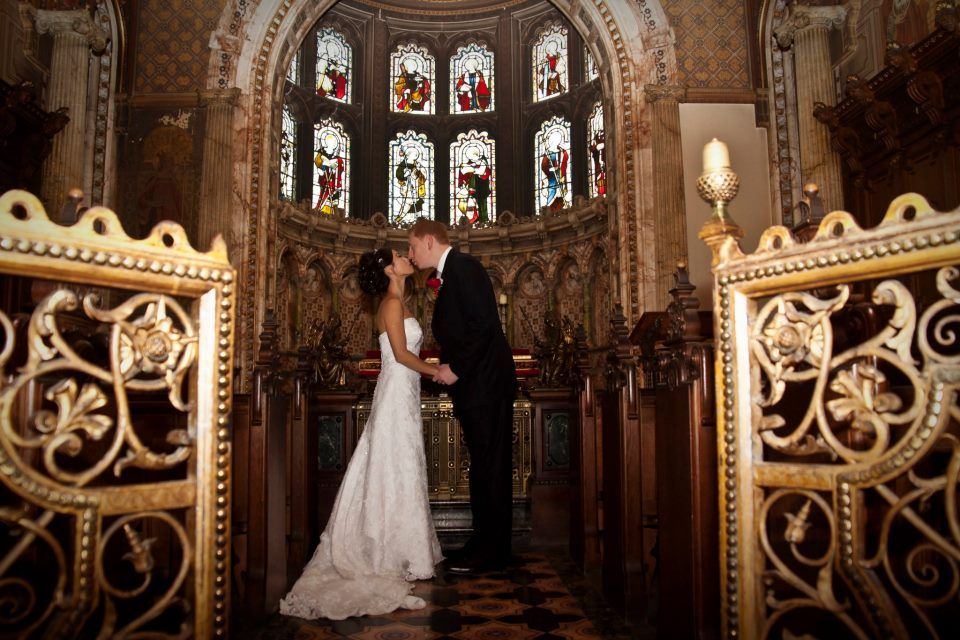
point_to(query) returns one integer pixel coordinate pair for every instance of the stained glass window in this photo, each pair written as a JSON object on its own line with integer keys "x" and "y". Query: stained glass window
{"x": 590, "y": 71}
{"x": 472, "y": 177}
{"x": 552, "y": 145}
{"x": 471, "y": 79}
{"x": 597, "y": 167}
{"x": 288, "y": 156}
{"x": 411, "y": 177}
{"x": 412, "y": 78}
{"x": 331, "y": 168}
{"x": 293, "y": 71}
{"x": 550, "y": 64}
{"x": 334, "y": 65}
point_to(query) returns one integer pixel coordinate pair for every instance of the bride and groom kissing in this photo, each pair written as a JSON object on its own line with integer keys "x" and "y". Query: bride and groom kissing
{"x": 380, "y": 536}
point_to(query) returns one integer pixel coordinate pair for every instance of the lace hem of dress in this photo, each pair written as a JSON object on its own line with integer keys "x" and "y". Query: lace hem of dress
{"x": 332, "y": 607}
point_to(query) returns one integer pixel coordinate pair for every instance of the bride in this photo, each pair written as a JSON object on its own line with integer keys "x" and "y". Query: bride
{"x": 380, "y": 535}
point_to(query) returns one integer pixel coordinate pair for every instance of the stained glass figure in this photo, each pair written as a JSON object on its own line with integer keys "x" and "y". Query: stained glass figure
{"x": 552, "y": 146}
{"x": 472, "y": 158}
{"x": 288, "y": 156}
{"x": 331, "y": 172}
{"x": 550, "y": 63}
{"x": 471, "y": 72}
{"x": 590, "y": 71}
{"x": 411, "y": 177}
{"x": 413, "y": 77}
{"x": 598, "y": 161}
{"x": 334, "y": 65}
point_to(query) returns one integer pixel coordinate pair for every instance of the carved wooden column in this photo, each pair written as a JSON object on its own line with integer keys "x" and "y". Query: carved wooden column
{"x": 584, "y": 467}
{"x": 623, "y": 571}
{"x": 686, "y": 453}
{"x": 669, "y": 206}
{"x": 266, "y": 578}
{"x": 808, "y": 32}
{"x": 216, "y": 178}
{"x": 74, "y": 34}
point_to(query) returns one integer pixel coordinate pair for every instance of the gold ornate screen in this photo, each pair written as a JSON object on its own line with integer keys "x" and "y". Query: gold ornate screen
{"x": 115, "y": 400}
{"x": 448, "y": 461}
{"x": 837, "y": 372}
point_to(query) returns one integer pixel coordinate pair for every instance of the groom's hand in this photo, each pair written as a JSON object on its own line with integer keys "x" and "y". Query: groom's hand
{"x": 445, "y": 375}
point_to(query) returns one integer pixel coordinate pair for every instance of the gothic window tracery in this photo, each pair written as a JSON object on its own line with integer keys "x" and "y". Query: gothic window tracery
{"x": 553, "y": 165}
{"x": 411, "y": 177}
{"x": 590, "y": 71}
{"x": 597, "y": 164}
{"x": 472, "y": 182}
{"x": 334, "y": 65}
{"x": 550, "y": 64}
{"x": 331, "y": 168}
{"x": 471, "y": 80}
{"x": 412, "y": 73}
{"x": 347, "y": 96}
{"x": 288, "y": 156}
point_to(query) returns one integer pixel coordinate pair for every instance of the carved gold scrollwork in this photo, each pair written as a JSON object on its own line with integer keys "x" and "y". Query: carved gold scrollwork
{"x": 843, "y": 512}
{"x": 114, "y": 431}
{"x": 147, "y": 353}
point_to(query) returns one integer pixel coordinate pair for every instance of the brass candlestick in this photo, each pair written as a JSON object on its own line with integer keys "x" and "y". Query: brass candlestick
{"x": 718, "y": 185}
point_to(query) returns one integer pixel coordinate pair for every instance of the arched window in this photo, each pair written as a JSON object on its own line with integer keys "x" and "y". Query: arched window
{"x": 552, "y": 145}
{"x": 590, "y": 71}
{"x": 288, "y": 155}
{"x": 331, "y": 168}
{"x": 334, "y": 66}
{"x": 411, "y": 177}
{"x": 597, "y": 166}
{"x": 550, "y": 76}
{"x": 472, "y": 177}
{"x": 412, "y": 78}
{"x": 471, "y": 79}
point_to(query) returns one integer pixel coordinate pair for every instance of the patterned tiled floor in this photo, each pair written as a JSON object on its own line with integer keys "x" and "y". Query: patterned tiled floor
{"x": 540, "y": 597}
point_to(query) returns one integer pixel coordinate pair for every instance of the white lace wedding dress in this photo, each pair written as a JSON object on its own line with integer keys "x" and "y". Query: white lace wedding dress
{"x": 380, "y": 535}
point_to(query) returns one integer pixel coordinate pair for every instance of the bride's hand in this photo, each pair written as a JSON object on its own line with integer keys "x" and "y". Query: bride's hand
{"x": 445, "y": 375}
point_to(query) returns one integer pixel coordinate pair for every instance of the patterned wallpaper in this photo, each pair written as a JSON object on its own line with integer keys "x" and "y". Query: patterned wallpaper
{"x": 711, "y": 42}
{"x": 172, "y": 42}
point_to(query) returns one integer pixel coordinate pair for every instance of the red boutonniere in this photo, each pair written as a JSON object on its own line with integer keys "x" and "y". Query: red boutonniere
{"x": 435, "y": 284}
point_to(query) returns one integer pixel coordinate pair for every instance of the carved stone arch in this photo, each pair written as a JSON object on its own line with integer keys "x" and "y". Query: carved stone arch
{"x": 632, "y": 41}
{"x": 479, "y": 37}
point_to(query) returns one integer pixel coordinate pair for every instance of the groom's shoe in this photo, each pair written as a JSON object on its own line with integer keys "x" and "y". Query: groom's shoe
{"x": 474, "y": 566}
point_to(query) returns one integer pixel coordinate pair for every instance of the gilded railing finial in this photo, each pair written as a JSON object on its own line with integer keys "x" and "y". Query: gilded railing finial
{"x": 718, "y": 185}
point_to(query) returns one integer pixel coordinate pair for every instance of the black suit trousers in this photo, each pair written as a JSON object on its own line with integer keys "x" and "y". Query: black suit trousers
{"x": 488, "y": 430}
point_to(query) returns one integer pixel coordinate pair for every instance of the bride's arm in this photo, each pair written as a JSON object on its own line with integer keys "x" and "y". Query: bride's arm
{"x": 391, "y": 312}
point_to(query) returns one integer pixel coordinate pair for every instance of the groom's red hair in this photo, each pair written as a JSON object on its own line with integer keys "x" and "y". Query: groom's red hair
{"x": 426, "y": 227}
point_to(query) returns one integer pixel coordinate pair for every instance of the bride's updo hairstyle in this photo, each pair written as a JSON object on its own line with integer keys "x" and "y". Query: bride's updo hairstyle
{"x": 372, "y": 278}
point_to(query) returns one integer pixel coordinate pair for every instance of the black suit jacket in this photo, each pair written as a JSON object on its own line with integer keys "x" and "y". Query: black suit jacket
{"x": 467, "y": 327}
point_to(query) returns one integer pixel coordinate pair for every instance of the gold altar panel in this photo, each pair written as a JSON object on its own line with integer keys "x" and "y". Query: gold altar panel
{"x": 839, "y": 429}
{"x": 448, "y": 462}
{"x": 115, "y": 398}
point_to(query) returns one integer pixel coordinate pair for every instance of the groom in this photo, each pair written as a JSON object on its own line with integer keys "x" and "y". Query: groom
{"x": 477, "y": 364}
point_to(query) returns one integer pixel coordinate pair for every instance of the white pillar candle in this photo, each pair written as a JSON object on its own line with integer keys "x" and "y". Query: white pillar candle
{"x": 715, "y": 156}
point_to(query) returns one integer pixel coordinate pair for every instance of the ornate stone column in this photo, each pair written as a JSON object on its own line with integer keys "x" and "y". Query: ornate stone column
{"x": 74, "y": 34}
{"x": 669, "y": 206}
{"x": 216, "y": 177}
{"x": 807, "y": 30}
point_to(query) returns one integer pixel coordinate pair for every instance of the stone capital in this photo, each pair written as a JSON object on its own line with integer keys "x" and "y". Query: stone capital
{"x": 219, "y": 97}
{"x": 803, "y": 17}
{"x": 78, "y": 23}
{"x": 664, "y": 93}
